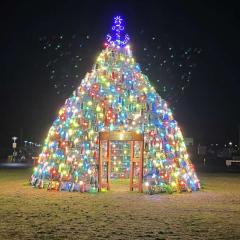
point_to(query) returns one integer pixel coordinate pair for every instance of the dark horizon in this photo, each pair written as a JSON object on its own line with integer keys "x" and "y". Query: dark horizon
{"x": 206, "y": 111}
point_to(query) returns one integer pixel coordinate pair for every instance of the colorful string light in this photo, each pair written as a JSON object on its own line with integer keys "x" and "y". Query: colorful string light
{"x": 114, "y": 96}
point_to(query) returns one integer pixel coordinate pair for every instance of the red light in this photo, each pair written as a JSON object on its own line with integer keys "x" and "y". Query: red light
{"x": 182, "y": 183}
{"x": 151, "y": 133}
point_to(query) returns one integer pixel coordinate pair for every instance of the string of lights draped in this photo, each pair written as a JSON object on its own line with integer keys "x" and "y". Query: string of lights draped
{"x": 114, "y": 96}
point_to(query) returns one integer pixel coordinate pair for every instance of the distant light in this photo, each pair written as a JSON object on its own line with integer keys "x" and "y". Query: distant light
{"x": 14, "y": 138}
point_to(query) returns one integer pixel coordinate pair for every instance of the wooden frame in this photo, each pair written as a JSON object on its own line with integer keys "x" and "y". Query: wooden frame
{"x": 121, "y": 136}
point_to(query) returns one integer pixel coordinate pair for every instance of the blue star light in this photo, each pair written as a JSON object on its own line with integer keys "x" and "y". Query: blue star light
{"x": 117, "y": 38}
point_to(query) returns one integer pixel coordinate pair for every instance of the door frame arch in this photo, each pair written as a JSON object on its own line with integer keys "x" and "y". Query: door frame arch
{"x": 128, "y": 136}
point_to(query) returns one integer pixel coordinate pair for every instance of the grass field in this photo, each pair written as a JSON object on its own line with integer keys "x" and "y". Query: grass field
{"x": 28, "y": 213}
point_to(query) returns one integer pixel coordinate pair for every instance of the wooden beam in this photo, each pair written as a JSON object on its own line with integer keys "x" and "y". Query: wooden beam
{"x": 140, "y": 180}
{"x": 120, "y": 136}
{"x": 100, "y": 167}
{"x": 108, "y": 164}
{"x": 131, "y": 167}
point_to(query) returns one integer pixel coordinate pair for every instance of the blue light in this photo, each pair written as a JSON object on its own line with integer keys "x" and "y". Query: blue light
{"x": 116, "y": 39}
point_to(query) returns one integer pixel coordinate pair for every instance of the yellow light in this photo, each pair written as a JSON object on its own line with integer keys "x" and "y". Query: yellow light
{"x": 176, "y": 174}
{"x": 70, "y": 132}
{"x": 138, "y": 131}
{"x": 145, "y": 89}
{"x": 89, "y": 103}
{"x": 91, "y": 132}
{"x": 101, "y": 115}
{"x": 121, "y": 136}
{"x": 61, "y": 111}
{"x": 173, "y": 184}
{"x": 75, "y": 124}
{"x": 98, "y": 108}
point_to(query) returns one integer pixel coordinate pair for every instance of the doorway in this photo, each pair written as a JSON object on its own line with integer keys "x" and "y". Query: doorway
{"x": 131, "y": 165}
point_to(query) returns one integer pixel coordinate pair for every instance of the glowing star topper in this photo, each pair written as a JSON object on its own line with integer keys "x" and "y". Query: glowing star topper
{"x": 116, "y": 39}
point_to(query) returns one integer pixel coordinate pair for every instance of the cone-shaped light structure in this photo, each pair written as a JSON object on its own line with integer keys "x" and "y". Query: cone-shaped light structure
{"x": 114, "y": 96}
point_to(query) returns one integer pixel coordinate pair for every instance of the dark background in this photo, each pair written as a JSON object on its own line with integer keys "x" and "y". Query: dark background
{"x": 209, "y": 109}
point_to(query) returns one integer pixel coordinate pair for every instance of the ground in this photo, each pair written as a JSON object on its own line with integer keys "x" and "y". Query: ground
{"x": 28, "y": 213}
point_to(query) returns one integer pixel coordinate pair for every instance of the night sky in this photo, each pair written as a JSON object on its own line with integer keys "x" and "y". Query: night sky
{"x": 42, "y": 40}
